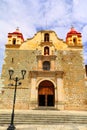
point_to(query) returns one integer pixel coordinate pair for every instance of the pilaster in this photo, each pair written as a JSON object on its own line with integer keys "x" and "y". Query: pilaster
{"x": 60, "y": 91}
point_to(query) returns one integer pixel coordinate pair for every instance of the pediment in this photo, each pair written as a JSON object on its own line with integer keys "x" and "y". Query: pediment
{"x": 38, "y": 41}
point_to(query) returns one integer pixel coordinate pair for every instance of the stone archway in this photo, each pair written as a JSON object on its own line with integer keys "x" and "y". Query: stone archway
{"x": 46, "y": 94}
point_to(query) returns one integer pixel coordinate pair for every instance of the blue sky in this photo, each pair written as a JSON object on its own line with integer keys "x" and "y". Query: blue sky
{"x": 33, "y": 15}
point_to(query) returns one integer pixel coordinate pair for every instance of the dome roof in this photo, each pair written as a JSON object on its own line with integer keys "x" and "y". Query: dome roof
{"x": 73, "y": 32}
{"x": 18, "y": 33}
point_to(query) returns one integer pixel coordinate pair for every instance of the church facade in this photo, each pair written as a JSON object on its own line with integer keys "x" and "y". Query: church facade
{"x": 55, "y": 71}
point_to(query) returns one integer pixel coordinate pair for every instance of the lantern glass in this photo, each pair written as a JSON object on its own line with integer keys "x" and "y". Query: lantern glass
{"x": 23, "y": 72}
{"x": 11, "y": 73}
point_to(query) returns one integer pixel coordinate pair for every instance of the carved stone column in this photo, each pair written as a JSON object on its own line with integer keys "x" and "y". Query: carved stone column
{"x": 33, "y": 96}
{"x": 52, "y": 64}
{"x": 39, "y": 64}
{"x": 60, "y": 90}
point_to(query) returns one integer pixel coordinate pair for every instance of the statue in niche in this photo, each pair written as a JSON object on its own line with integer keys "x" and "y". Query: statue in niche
{"x": 46, "y": 51}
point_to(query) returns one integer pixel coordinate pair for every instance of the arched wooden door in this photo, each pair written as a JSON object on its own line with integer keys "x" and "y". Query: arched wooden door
{"x": 46, "y": 96}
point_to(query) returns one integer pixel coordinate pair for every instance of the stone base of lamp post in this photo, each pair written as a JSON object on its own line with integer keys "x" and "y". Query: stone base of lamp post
{"x": 11, "y": 127}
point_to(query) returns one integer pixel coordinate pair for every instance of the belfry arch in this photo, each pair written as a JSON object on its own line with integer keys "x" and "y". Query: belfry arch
{"x": 46, "y": 93}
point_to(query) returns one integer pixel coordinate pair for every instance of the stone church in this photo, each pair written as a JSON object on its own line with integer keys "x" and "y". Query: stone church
{"x": 55, "y": 71}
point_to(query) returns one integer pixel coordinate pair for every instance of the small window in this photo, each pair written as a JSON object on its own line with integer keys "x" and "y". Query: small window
{"x": 46, "y": 50}
{"x": 46, "y": 65}
{"x": 12, "y": 60}
{"x": 75, "y": 41}
{"x": 14, "y": 41}
{"x": 46, "y": 37}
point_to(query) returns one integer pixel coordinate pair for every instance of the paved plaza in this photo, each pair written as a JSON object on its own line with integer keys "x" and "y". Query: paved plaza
{"x": 47, "y": 127}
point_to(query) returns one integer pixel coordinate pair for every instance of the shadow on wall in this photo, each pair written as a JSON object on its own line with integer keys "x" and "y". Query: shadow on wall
{"x": 2, "y": 51}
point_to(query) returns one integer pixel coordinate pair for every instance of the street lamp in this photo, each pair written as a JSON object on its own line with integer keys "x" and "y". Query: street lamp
{"x": 17, "y": 83}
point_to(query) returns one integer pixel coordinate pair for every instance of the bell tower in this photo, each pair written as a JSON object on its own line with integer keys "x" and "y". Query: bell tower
{"x": 47, "y": 58}
{"x": 15, "y": 39}
{"x": 74, "y": 38}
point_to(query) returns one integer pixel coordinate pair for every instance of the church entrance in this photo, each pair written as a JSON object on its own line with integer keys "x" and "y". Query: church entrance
{"x": 46, "y": 96}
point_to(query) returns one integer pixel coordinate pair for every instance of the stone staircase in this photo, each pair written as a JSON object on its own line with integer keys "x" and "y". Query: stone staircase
{"x": 43, "y": 118}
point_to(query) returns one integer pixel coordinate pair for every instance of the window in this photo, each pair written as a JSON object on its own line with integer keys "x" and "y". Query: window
{"x": 75, "y": 41}
{"x": 46, "y": 37}
{"x": 46, "y": 50}
{"x": 14, "y": 41}
{"x": 46, "y": 65}
{"x": 12, "y": 60}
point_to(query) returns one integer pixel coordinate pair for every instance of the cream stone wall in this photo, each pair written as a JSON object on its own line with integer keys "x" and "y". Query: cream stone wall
{"x": 67, "y": 73}
{"x": 35, "y": 42}
{"x": 10, "y": 40}
{"x": 73, "y": 79}
{"x": 74, "y": 85}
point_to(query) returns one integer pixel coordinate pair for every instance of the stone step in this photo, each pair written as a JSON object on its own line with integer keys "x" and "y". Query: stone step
{"x": 42, "y": 119}
{"x": 45, "y": 108}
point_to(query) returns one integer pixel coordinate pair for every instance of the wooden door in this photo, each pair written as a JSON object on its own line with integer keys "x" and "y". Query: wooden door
{"x": 46, "y": 94}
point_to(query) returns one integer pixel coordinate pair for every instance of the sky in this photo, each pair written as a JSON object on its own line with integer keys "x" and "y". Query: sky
{"x": 35, "y": 15}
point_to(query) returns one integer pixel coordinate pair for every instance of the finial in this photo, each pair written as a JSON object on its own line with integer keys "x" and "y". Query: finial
{"x": 72, "y": 28}
{"x": 17, "y": 29}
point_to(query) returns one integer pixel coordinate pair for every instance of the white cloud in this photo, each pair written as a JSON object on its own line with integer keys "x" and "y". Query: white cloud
{"x": 84, "y": 33}
{"x": 32, "y": 14}
{"x": 80, "y": 10}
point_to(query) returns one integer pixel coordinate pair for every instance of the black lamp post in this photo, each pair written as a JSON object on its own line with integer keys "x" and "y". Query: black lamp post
{"x": 17, "y": 83}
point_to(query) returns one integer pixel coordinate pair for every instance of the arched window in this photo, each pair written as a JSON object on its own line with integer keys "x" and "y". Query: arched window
{"x": 46, "y": 50}
{"x": 75, "y": 40}
{"x": 46, "y": 65}
{"x": 46, "y": 37}
{"x": 14, "y": 41}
